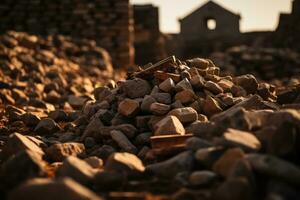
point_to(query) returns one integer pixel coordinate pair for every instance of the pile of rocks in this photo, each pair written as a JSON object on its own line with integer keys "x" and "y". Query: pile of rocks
{"x": 50, "y": 72}
{"x": 172, "y": 130}
{"x": 110, "y": 23}
{"x": 82, "y": 52}
{"x": 265, "y": 63}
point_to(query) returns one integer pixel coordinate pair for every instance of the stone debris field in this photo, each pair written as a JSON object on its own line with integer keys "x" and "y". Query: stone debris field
{"x": 72, "y": 128}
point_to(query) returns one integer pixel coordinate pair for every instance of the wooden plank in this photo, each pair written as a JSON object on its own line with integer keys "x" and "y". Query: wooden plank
{"x": 157, "y": 66}
{"x": 167, "y": 141}
{"x": 161, "y": 76}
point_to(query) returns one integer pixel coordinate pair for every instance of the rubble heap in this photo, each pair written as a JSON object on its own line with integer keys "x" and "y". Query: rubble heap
{"x": 172, "y": 130}
{"x": 50, "y": 72}
{"x": 264, "y": 63}
{"x": 109, "y": 23}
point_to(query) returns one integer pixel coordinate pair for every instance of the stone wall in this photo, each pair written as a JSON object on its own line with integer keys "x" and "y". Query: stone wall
{"x": 148, "y": 40}
{"x": 287, "y": 33}
{"x": 110, "y": 23}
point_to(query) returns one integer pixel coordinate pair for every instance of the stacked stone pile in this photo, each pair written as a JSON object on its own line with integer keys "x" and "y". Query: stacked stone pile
{"x": 173, "y": 130}
{"x": 110, "y": 23}
{"x": 49, "y": 73}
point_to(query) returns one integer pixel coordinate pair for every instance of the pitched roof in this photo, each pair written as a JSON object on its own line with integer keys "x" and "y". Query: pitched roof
{"x": 211, "y": 3}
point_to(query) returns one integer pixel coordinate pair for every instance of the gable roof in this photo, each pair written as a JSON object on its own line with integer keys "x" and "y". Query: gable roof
{"x": 211, "y": 4}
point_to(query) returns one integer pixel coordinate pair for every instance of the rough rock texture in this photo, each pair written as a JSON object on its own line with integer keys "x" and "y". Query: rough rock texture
{"x": 169, "y": 125}
{"x": 77, "y": 169}
{"x": 58, "y": 152}
{"x": 124, "y": 162}
{"x": 172, "y": 127}
{"x": 52, "y": 189}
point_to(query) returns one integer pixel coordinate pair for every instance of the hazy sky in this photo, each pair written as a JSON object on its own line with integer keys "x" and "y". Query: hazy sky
{"x": 256, "y": 14}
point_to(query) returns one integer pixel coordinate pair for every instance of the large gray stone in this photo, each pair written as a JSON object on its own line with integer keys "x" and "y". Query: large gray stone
{"x": 124, "y": 162}
{"x": 136, "y": 88}
{"x": 169, "y": 168}
{"x": 169, "y": 125}
{"x": 46, "y": 127}
{"x": 24, "y": 165}
{"x": 275, "y": 168}
{"x": 17, "y": 143}
{"x": 58, "y": 152}
{"x": 236, "y": 138}
{"x": 77, "y": 169}
{"x": 185, "y": 115}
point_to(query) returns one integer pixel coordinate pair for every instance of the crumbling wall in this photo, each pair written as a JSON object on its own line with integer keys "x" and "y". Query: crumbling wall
{"x": 289, "y": 25}
{"x": 149, "y": 42}
{"x": 110, "y": 23}
{"x": 296, "y": 8}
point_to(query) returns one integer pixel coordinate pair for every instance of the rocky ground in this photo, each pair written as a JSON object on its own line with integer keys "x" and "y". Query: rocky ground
{"x": 171, "y": 130}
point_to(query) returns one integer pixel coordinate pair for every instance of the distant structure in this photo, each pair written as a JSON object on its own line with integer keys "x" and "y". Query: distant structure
{"x": 209, "y": 28}
{"x": 131, "y": 33}
{"x": 213, "y": 28}
{"x": 115, "y": 25}
{"x": 210, "y": 21}
{"x": 288, "y": 31}
{"x": 286, "y": 19}
{"x": 148, "y": 40}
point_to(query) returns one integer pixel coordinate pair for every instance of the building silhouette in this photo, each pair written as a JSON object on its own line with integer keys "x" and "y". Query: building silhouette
{"x": 213, "y": 28}
{"x": 210, "y": 27}
{"x": 209, "y": 21}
